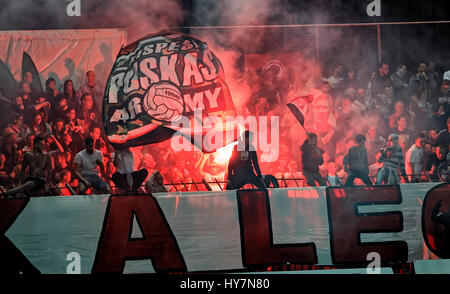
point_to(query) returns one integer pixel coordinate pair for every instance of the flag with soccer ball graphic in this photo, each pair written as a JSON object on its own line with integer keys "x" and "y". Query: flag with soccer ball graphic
{"x": 163, "y": 85}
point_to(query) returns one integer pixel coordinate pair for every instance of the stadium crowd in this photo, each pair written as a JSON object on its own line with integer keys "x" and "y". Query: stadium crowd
{"x": 343, "y": 108}
{"x": 410, "y": 107}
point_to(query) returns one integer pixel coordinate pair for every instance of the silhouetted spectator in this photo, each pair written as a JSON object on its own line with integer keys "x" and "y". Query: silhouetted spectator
{"x": 420, "y": 81}
{"x": 243, "y": 164}
{"x": 51, "y": 93}
{"x": 438, "y": 165}
{"x": 400, "y": 85}
{"x": 356, "y": 162}
{"x": 311, "y": 160}
{"x": 381, "y": 79}
{"x": 444, "y": 135}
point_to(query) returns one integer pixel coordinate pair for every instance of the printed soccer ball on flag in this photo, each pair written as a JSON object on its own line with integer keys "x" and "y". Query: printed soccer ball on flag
{"x": 163, "y": 102}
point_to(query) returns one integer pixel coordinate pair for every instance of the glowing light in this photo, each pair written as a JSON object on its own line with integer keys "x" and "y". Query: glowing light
{"x": 223, "y": 154}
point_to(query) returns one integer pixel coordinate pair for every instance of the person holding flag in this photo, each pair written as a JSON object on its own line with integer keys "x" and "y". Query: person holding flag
{"x": 311, "y": 160}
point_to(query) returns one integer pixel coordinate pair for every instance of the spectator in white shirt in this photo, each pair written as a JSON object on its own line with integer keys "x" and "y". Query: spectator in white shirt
{"x": 125, "y": 177}
{"x": 87, "y": 162}
{"x": 414, "y": 159}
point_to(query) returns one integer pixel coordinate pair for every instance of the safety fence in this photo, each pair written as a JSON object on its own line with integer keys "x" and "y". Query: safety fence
{"x": 218, "y": 185}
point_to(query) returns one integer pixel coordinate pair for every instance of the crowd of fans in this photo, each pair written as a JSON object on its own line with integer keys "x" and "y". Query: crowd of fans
{"x": 408, "y": 104}
{"x": 63, "y": 118}
{"x": 347, "y": 103}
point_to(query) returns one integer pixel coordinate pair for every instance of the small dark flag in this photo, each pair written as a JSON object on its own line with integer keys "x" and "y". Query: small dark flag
{"x": 299, "y": 106}
{"x": 8, "y": 84}
{"x": 29, "y": 66}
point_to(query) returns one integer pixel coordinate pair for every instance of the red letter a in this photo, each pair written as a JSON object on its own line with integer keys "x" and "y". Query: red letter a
{"x": 158, "y": 243}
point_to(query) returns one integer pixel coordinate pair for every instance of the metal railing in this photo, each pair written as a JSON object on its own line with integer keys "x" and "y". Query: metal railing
{"x": 219, "y": 185}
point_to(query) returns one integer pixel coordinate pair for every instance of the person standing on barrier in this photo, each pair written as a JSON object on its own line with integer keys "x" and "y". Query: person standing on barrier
{"x": 356, "y": 162}
{"x": 311, "y": 160}
{"x": 125, "y": 177}
{"x": 392, "y": 158}
{"x": 243, "y": 164}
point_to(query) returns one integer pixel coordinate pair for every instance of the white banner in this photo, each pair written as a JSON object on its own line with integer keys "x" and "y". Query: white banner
{"x": 207, "y": 228}
{"x": 63, "y": 54}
